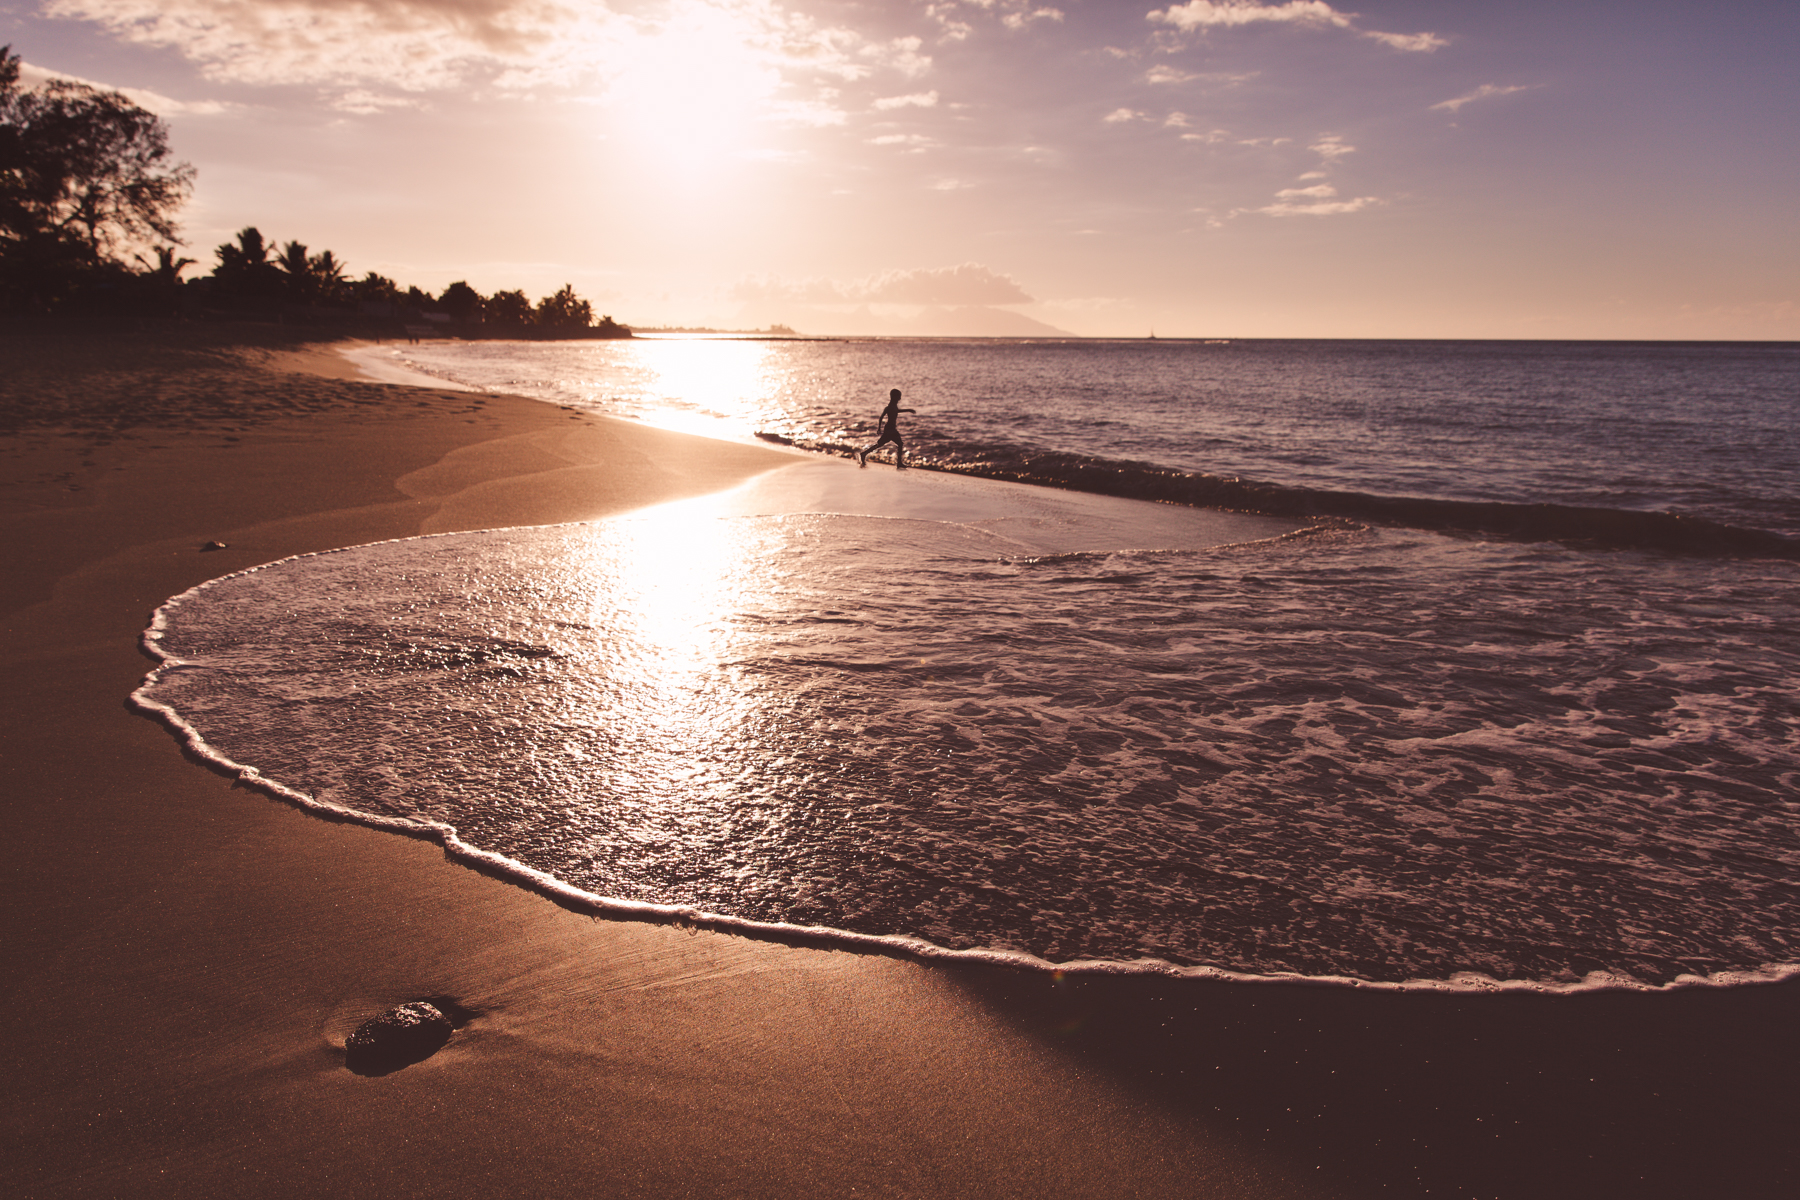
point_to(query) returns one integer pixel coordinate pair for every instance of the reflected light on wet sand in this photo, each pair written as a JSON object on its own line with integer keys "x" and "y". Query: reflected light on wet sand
{"x": 671, "y": 718}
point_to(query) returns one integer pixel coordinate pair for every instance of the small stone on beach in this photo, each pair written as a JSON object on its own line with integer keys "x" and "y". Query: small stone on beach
{"x": 397, "y": 1038}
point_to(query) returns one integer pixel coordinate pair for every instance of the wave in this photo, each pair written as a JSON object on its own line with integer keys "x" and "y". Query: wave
{"x": 1577, "y": 525}
{"x": 575, "y": 899}
{"x": 302, "y": 664}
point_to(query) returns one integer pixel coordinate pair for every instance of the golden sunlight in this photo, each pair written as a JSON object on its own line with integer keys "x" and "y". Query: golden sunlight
{"x": 669, "y": 590}
{"x": 715, "y": 387}
{"x": 688, "y": 94}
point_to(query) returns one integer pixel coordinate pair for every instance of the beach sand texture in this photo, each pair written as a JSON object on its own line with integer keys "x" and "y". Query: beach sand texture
{"x": 186, "y": 958}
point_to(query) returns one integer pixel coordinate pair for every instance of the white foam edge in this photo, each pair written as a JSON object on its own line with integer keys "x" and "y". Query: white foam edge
{"x": 386, "y": 364}
{"x": 896, "y": 945}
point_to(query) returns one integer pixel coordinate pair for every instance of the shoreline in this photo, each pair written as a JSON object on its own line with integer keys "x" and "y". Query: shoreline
{"x": 499, "y": 866}
{"x": 187, "y": 958}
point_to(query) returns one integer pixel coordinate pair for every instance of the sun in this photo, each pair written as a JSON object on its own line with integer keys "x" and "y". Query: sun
{"x": 689, "y": 95}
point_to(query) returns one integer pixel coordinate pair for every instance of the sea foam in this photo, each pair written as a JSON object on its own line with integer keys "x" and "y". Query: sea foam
{"x": 1364, "y": 758}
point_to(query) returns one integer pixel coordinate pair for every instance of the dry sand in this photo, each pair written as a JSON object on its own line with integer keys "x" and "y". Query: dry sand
{"x": 185, "y": 958}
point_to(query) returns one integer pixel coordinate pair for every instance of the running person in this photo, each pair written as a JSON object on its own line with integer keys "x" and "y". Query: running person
{"x": 888, "y": 423}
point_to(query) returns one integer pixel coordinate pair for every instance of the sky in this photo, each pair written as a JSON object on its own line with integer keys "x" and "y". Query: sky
{"x": 1215, "y": 168}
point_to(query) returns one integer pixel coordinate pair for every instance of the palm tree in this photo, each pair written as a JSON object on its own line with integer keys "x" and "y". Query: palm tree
{"x": 327, "y": 273}
{"x": 293, "y": 263}
{"x": 168, "y": 268}
{"x": 510, "y": 309}
{"x": 244, "y": 269}
{"x": 564, "y": 310}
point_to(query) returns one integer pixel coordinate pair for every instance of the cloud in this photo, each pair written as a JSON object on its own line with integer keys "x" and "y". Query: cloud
{"x": 1164, "y": 73}
{"x": 968, "y": 283}
{"x": 916, "y": 100}
{"x": 912, "y": 141}
{"x": 413, "y": 46}
{"x": 1228, "y": 14}
{"x": 1481, "y": 93}
{"x": 1317, "y": 208}
{"x": 163, "y": 106}
{"x": 1205, "y": 14}
{"x": 1330, "y": 147}
{"x": 901, "y": 54}
{"x": 747, "y": 48}
{"x": 1119, "y": 116}
{"x": 1023, "y": 17}
{"x": 1318, "y": 200}
{"x": 362, "y": 102}
{"x": 1416, "y": 43}
{"x": 950, "y": 26}
{"x": 953, "y": 19}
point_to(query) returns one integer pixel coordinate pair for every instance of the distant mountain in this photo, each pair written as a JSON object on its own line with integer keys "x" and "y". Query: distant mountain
{"x": 975, "y": 321}
{"x": 969, "y": 320}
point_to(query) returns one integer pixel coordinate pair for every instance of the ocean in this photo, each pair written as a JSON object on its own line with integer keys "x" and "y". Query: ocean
{"x": 1515, "y": 707}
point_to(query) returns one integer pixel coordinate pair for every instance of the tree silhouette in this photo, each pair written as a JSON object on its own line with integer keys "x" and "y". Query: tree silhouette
{"x": 510, "y": 310}
{"x": 85, "y": 167}
{"x": 564, "y": 310}
{"x": 462, "y": 302}
{"x": 244, "y": 272}
{"x": 293, "y": 263}
{"x": 375, "y": 289}
{"x": 328, "y": 280}
{"x": 168, "y": 268}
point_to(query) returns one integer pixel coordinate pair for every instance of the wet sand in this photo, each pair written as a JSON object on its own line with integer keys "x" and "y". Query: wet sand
{"x": 186, "y": 958}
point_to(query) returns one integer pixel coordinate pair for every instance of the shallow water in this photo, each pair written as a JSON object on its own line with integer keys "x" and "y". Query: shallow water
{"x": 1708, "y": 430}
{"x": 1378, "y": 755}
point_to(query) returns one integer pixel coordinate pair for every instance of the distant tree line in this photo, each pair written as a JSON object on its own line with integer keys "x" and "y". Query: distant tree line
{"x": 88, "y": 200}
{"x": 255, "y": 276}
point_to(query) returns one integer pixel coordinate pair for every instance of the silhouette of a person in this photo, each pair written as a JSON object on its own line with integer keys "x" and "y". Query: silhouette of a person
{"x": 889, "y": 425}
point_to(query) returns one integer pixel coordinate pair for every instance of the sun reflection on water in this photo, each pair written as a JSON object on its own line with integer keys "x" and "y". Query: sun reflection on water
{"x": 675, "y": 732}
{"x": 709, "y": 386}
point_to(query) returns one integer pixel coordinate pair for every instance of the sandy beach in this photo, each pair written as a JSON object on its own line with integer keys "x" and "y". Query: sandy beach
{"x": 187, "y": 957}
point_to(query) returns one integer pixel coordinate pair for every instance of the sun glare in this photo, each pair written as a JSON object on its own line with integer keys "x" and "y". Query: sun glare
{"x": 690, "y": 94}
{"x": 669, "y": 591}
{"x": 713, "y": 380}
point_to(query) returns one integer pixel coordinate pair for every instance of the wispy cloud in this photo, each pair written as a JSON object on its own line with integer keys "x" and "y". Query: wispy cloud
{"x": 907, "y": 141}
{"x": 967, "y": 283}
{"x": 1483, "y": 92}
{"x": 1317, "y": 200}
{"x": 370, "y": 49}
{"x": 1020, "y": 18}
{"x": 1331, "y": 147}
{"x": 1206, "y": 14}
{"x": 916, "y": 100}
{"x": 1417, "y": 43}
{"x": 413, "y": 46}
{"x": 1314, "y": 208}
{"x": 956, "y": 19}
{"x": 1164, "y": 73}
{"x": 1318, "y": 191}
{"x": 163, "y": 106}
{"x": 1199, "y": 15}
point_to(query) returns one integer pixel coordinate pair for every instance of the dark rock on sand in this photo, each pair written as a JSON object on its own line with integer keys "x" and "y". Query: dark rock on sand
{"x": 215, "y": 546}
{"x": 397, "y": 1038}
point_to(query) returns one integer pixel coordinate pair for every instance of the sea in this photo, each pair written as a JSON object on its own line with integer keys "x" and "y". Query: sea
{"x": 1514, "y": 706}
